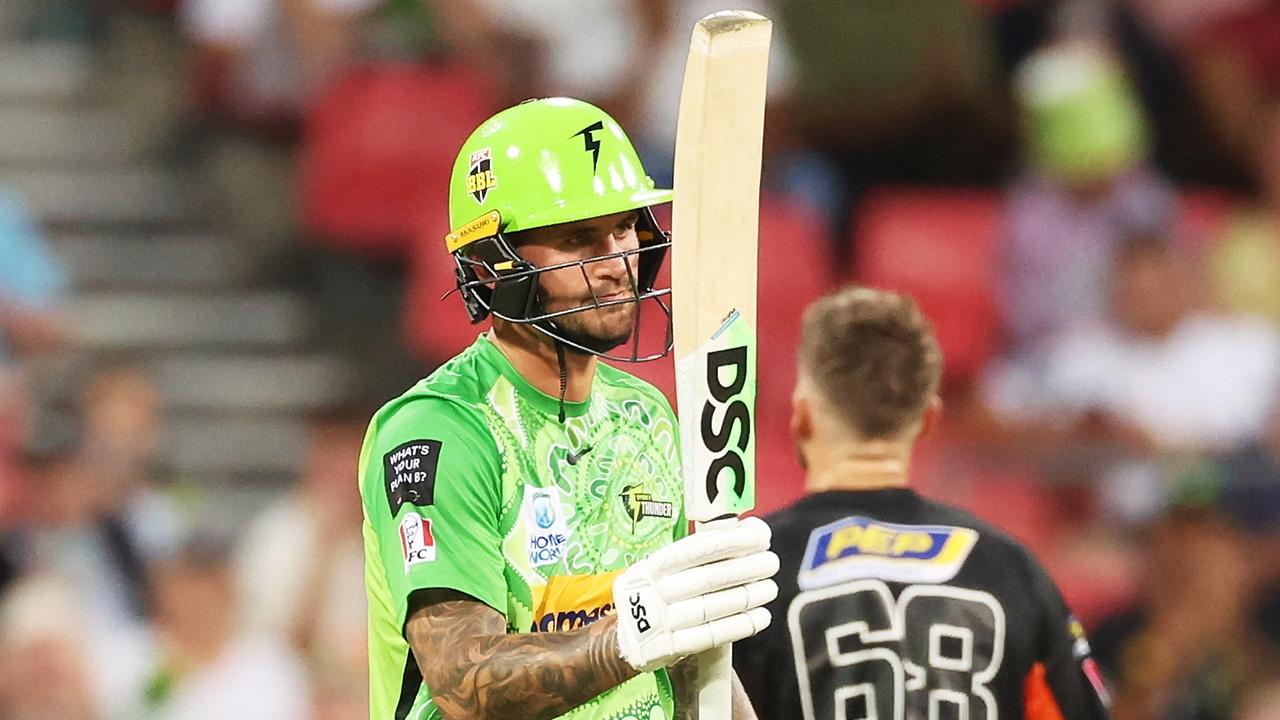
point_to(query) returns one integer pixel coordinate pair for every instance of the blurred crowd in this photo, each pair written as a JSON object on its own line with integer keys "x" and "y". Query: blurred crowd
{"x": 1083, "y": 194}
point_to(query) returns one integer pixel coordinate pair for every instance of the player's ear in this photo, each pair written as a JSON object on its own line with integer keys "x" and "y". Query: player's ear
{"x": 932, "y": 415}
{"x": 801, "y": 425}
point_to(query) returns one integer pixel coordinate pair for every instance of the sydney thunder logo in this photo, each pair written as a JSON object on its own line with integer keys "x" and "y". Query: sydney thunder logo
{"x": 640, "y": 505}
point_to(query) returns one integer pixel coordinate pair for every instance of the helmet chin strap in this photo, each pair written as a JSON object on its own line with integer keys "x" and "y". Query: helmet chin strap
{"x": 564, "y": 376}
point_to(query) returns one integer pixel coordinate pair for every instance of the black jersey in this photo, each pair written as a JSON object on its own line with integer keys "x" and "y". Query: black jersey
{"x": 894, "y": 607}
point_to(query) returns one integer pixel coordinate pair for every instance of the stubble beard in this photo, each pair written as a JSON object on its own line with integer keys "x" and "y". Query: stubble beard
{"x": 599, "y": 329}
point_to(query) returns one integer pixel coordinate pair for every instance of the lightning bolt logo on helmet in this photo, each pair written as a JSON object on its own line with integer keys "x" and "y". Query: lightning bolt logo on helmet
{"x": 590, "y": 143}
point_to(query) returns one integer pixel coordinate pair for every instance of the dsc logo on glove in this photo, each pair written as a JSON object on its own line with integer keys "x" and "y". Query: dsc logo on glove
{"x": 638, "y": 613}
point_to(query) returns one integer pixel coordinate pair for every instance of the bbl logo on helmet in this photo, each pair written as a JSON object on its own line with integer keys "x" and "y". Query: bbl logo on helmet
{"x": 480, "y": 174}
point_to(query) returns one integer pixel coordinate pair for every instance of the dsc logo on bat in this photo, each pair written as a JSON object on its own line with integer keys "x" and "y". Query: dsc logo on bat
{"x": 718, "y": 431}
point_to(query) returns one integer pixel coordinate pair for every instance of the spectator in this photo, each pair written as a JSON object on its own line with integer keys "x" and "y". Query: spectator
{"x": 255, "y": 65}
{"x": 31, "y": 285}
{"x": 315, "y": 600}
{"x": 210, "y": 669}
{"x": 31, "y": 289}
{"x": 42, "y": 673}
{"x": 1191, "y": 649}
{"x": 50, "y": 667}
{"x": 1086, "y": 186}
{"x": 123, "y": 425}
{"x": 1156, "y": 372}
{"x": 67, "y": 531}
{"x": 256, "y": 62}
{"x": 535, "y": 49}
{"x": 1244, "y": 260}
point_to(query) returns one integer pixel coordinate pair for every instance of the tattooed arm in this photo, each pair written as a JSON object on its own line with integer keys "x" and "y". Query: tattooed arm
{"x": 684, "y": 680}
{"x": 475, "y": 670}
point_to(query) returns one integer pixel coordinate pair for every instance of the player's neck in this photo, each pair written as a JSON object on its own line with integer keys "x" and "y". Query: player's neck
{"x": 857, "y": 466}
{"x": 533, "y": 355}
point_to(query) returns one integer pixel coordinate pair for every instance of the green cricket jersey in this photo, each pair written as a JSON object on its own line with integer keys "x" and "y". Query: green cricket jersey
{"x": 470, "y": 482}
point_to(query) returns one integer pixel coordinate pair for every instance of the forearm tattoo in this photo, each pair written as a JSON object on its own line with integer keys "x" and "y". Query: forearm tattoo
{"x": 475, "y": 670}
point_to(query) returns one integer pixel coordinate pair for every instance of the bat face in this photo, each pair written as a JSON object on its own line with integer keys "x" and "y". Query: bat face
{"x": 716, "y": 391}
{"x": 715, "y": 216}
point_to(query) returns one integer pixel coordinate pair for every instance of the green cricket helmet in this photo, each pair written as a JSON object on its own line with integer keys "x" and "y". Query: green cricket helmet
{"x": 541, "y": 163}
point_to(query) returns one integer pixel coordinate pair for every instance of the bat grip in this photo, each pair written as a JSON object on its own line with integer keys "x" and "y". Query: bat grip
{"x": 715, "y": 666}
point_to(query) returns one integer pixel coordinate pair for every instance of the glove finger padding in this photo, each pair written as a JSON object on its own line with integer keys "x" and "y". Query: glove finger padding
{"x": 701, "y": 638}
{"x": 707, "y": 608}
{"x": 751, "y": 535}
{"x": 697, "y": 593}
{"x": 718, "y": 576}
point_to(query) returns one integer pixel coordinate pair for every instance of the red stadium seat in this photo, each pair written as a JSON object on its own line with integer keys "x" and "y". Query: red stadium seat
{"x": 938, "y": 247}
{"x": 379, "y": 145}
{"x": 795, "y": 270}
{"x": 436, "y": 327}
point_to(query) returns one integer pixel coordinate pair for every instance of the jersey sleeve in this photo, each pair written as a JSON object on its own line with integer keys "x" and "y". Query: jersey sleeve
{"x": 430, "y": 482}
{"x": 1065, "y": 683}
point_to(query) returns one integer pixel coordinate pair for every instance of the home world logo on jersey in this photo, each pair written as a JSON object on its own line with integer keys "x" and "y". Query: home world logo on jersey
{"x": 544, "y": 522}
{"x": 416, "y": 542}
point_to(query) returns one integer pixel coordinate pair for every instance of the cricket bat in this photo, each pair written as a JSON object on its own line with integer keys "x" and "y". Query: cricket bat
{"x": 715, "y": 224}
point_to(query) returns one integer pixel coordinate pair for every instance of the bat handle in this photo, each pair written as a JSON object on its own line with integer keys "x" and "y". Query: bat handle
{"x": 715, "y": 666}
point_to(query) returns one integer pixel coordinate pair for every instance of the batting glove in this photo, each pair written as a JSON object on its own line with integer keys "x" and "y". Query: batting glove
{"x": 697, "y": 593}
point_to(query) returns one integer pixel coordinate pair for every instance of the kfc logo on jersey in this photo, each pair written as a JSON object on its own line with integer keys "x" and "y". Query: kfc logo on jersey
{"x": 545, "y": 524}
{"x": 416, "y": 542}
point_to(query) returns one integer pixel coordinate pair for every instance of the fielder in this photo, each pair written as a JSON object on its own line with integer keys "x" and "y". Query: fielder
{"x": 893, "y": 606}
{"x": 525, "y": 540}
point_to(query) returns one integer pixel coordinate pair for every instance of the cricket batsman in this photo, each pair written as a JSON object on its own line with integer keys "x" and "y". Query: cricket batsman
{"x": 525, "y": 537}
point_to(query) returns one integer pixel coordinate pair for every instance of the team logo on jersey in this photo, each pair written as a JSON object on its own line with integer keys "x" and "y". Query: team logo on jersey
{"x": 480, "y": 177}
{"x": 640, "y": 505}
{"x": 417, "y": 544}
{"x": 544, "y": 522}
{"x": 859, "y": 547}
{"x": 568, "y": 602}
{"x": 410, "y": 474}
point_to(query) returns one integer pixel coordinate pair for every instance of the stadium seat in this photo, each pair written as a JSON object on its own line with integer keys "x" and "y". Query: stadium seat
{"x": 936, "y": 246}
{"x": 379, "y": 145}
{"x": 435, "y": 327}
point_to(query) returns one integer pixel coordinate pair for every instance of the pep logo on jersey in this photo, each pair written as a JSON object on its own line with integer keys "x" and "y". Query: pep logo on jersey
{"x": 409, "y": 471}
{"x": 858, "y": 547}
{"x": 545, "y": 525}
{"x": 416, "y": 541}
{"x": 569, "y": 602}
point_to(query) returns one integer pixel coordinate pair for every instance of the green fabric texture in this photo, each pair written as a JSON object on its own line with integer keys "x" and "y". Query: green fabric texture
{"x": 529, "y": 516}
